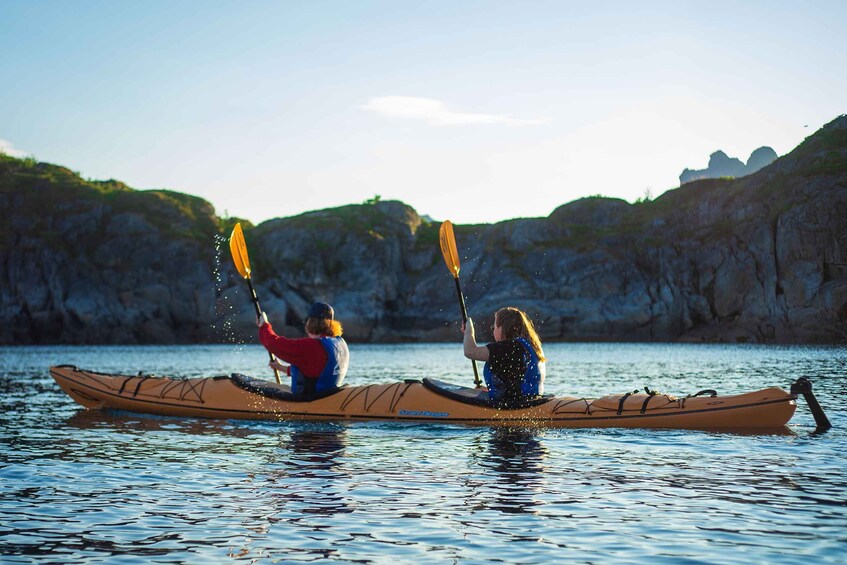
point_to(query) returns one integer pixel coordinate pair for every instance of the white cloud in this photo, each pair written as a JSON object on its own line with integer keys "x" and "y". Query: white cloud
{"x": 7, "y": 148}
{"x": 435, "y": 112}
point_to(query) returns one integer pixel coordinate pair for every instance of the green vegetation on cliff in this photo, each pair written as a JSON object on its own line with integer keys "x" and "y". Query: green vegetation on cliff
{"x": 42, "y": 191}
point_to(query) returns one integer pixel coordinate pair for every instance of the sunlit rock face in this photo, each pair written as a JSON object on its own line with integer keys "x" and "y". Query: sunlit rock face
{"x": 762, "y": 258}
{"x": 97, "y": 262}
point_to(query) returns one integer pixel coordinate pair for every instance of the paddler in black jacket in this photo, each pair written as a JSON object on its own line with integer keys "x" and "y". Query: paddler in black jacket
{"x": 514, "y": 362}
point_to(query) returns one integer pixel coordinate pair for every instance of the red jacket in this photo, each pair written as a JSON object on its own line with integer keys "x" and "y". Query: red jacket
{"x": 306, "y": 353}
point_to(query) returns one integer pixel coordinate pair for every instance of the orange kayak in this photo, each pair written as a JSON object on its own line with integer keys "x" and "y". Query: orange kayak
{"x": 241, "y": 397}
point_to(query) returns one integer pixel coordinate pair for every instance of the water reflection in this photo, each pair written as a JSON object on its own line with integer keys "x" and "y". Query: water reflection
{"x": 295, "y": 492}
{"x": 121, "y": 421}
{"x": 513, "y": 467}
{"x": 304, "y": 476}
{"x": 316, "y": 450}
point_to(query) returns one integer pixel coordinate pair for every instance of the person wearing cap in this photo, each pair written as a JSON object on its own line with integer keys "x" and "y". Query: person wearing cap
{"x": 318, "y": 363}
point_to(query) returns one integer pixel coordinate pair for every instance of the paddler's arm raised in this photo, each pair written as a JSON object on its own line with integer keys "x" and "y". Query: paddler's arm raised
{"x": 305, "y": 353}
{"x": 472, "y": 350}
{"x": 267, "y": 338}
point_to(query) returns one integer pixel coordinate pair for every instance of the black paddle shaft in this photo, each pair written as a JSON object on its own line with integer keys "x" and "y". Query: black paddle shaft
{"x": 255, "y": 300}
{"x": 253, "y": 297}
{"x": 461, "y": 300}
{"x": 476, "y": 380}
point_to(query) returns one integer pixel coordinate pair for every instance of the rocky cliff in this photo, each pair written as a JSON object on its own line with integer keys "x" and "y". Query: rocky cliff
{"x": 761, "y": 258}
{"x": 98, "y": 262}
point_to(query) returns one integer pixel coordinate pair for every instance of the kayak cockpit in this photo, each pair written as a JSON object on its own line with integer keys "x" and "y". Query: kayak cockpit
{"x": 478, "y": 396}
{"x": 276, "y": 391}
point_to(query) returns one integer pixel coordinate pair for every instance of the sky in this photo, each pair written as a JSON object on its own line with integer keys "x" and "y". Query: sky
{"x": 471, "y": 111}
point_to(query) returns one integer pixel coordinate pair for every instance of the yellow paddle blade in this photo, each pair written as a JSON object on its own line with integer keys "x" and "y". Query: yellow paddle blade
{"x": 448, "y": 247}
{"x": 238, "y": 248}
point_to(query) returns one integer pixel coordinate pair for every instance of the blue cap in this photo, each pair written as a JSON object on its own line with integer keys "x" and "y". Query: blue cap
{"x": 321, "y": 310}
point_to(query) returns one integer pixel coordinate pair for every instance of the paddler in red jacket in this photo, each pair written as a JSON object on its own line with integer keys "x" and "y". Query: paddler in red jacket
{"x": 318, "y": 363}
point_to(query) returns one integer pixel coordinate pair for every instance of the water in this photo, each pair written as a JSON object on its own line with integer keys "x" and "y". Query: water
{"x": 83, "y": 486}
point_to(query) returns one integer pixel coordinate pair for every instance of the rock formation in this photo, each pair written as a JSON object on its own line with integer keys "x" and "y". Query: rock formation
{"x": 761, "y": 258}
{"x": 721, "y": 165}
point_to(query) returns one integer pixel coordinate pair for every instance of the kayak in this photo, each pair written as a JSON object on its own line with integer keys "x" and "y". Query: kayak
{"x": 241, "y": 397}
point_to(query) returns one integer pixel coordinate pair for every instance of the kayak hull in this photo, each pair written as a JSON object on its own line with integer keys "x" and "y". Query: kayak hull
{"x": 415, "y": 401}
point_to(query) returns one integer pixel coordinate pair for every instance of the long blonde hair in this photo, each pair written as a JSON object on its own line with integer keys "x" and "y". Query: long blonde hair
{"x": 514, "y": 323}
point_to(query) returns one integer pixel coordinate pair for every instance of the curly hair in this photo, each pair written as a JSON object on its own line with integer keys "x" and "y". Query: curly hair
{"x": 322, "y": 326}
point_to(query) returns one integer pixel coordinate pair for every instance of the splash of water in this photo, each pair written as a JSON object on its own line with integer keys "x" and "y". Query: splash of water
{"x": 222, "y": 324}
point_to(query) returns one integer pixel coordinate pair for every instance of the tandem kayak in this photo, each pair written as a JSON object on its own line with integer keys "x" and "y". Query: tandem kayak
{"x": 428, "y": 400}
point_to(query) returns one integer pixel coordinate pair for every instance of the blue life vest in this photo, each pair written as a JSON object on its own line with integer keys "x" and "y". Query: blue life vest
{"x": 532, "y": 383}
{"x": 337, "y": 359}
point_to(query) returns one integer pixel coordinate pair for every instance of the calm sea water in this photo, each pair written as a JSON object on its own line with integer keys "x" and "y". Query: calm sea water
{"x": 86, "y": 486}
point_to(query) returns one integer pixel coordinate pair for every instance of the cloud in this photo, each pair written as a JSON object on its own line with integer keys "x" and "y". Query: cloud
{"x": 435, "y": 112}
{"x": 7, "y": 148}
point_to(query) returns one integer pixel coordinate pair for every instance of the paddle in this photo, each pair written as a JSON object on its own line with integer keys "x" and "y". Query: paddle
{"x": 451, "y": 256}
{"x": 238, "y": 248}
